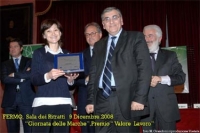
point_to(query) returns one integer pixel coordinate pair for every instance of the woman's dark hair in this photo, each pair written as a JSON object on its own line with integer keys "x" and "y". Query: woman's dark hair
{"x": 46, "y": 24}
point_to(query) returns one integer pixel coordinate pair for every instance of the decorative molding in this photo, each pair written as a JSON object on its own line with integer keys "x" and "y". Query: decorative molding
{"x": 46, "y": 10}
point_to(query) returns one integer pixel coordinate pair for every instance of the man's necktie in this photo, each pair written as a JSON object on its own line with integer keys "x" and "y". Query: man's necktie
{"x": 16, "y": 64}
{"x": 153, "y": 61}
{"x": 107, "y": 71}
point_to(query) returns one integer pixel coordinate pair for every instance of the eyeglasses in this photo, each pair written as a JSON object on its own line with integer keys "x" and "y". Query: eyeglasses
{"x": 92, "y": 34}
{"x": 108, "y": 20}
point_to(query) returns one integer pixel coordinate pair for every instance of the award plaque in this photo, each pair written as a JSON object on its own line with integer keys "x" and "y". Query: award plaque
{"x": 69, "y": 63}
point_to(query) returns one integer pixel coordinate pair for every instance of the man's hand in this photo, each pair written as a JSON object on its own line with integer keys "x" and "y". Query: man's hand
{"x": 155, "y": 80}
{"x": 28, "y": 69}
{"x": 11, "y": 75}
{"x": 89, "y": 108}
{"x": 87, "y": 79}
{"x": 136, "y": 106}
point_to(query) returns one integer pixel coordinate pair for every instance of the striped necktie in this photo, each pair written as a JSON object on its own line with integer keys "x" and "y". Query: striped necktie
{"x": 108, "y": 71}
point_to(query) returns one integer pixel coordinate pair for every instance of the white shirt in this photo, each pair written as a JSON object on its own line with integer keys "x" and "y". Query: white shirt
{"x": 19, "y": 60}
{"x": 47, "y": 49}
{"x": 91, "y": 51}
{"x": 108, "y": 48}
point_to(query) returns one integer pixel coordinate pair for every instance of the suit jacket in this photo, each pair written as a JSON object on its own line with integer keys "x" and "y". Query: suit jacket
{"x": 87, "y": 60}
{"x": 11, "y": 83}
{"x": 82, "y": 91}
{"x": 130, "y": 65}
{"x": 167, "y": 64}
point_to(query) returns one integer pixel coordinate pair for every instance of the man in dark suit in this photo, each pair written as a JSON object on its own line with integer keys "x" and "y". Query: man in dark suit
{"x": 167, "y": 72}
{"x": 119, "y": 77}
{"x": 92, "y": 34}
{"x": 18, "y": 93}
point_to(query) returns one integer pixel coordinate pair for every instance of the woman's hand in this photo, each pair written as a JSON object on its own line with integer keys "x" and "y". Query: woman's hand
{"x": 55, "y": 73}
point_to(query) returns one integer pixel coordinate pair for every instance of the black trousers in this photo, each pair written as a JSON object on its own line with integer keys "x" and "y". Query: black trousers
{"x": 45, "y": 115}
{"x": 21, "y": 110}
{"x": 110, "y": 115}
{"x": 82, "y": 102}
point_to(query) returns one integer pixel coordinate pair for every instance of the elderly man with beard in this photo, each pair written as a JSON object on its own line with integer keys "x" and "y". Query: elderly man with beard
{"x": 167, "y": 72}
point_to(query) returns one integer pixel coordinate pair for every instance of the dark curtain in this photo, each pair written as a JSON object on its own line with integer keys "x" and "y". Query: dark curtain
{"x": 183, "y": 27}
{"x": 183, "y": 23}
{"x": 75, "y": 15}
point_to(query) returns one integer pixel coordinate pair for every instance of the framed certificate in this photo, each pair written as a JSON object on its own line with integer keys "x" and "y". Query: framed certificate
{"x": 69, "y": 62}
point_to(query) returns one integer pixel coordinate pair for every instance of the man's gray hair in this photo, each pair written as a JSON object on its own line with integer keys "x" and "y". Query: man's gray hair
{"x": 95, "y": 25}
{"x": 156, "y": 28}
{"x": 108, "y": 9}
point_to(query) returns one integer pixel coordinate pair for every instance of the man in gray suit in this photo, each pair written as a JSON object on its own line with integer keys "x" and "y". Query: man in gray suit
{"x": 119, "y": 77}
{"x": 167, "y": 72}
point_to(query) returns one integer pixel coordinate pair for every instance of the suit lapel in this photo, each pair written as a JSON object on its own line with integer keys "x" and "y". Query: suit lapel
{"x": 12, "y": 65}
{"x": 104, "y": 49}
{"x": 159, "y": 61}
{"x": 22, "y": 64}
{"x": 102, "y": 54}
{"x": 122, "y": 39}
{"x": 88, "y": 55}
